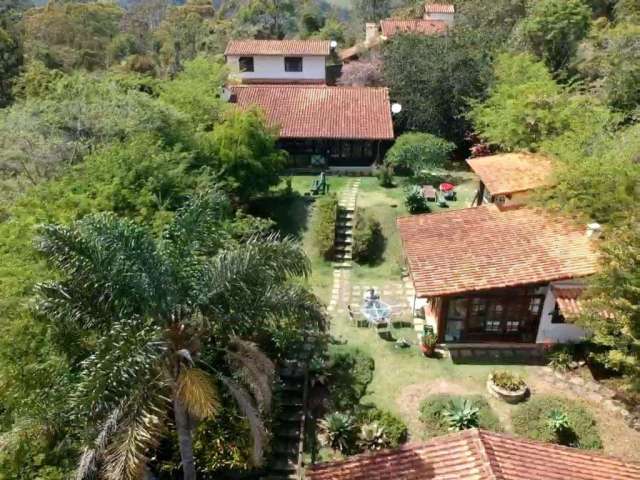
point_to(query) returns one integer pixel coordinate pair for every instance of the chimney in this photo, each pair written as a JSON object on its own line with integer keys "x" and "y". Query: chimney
{"x": 594, "y": 230}
{"x": 371, "y": 33}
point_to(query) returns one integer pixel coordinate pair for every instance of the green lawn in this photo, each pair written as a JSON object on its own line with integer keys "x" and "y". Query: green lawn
{"x": 387, "y": 204}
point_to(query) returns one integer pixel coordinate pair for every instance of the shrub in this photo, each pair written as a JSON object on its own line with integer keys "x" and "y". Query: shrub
{"x": 338, "y": 431}
{"x": 532, "y": 420}
{"x": 433, "y": 408}
{"x": 324, "y": 225}
{"x": 419, "y": 151}
{"x": 385, "y": 175}
{"x": 351, "y": 372}
{"x": 508, "y": 380}
{"x": 394, "y": 428}
{"x": 462, "y": 415}
{"x": 415, "y": 201}
{"x": 368, "y": 240}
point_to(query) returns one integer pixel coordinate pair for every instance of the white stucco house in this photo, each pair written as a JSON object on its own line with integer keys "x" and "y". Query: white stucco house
{"x": 278, "y": 61}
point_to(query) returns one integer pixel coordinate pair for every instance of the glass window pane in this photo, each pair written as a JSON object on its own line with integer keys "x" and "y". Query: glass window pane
{"x": 457, "y": 309}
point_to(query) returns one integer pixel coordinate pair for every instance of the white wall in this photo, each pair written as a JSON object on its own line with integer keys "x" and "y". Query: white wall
{"x": 557, "y": 332}
{"x": 445, "y": 17}
{"x": 271, "y": 67}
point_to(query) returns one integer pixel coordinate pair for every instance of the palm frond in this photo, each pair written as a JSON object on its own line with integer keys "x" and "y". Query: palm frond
{"x": 89, "y": 464}
{"x": 259, "y": 383}
{"x": 197, "y": 391}
{"x": 125, "y": 358}
{"x": 258, "y": 431}
{"x": 139, "y": 431}
{"x": 252, "y": 352}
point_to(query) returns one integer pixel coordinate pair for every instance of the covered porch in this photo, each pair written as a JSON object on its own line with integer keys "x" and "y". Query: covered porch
{"x": 333, "y": 152}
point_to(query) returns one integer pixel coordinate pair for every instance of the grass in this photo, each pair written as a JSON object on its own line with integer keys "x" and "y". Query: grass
{"x": 387, "y": 204}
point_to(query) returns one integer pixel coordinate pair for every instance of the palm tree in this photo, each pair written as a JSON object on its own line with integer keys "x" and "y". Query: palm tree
{"x": 156, "y": 323}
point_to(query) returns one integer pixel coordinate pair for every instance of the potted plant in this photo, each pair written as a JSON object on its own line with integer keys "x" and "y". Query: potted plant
{"x": 428, "y": 343}
{"x": 507, "y": 386}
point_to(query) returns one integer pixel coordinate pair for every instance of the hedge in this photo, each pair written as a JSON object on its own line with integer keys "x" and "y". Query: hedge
{"x": 531, "y": 420}
{"x": 350, "y": 373}
{"x": 395, "y": 429}
{"x": 432, "y": 408}
{"x": 368, "y": 240}
{"x": 323, "y": 228}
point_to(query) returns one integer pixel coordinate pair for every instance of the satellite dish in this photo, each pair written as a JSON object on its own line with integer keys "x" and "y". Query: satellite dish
{"x": 396, "y": 108}
{"x": 333, "y": 44}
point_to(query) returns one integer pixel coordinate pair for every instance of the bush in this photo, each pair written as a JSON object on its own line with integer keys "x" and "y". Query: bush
{"x": 433, "y": 408}
{"x": 508, "y": 380}
{"x": 395, "y": 429}
{"x": 462, "y": 415}
{"x": 532, "y": 420}
{"x": 368, "y": 240}
{"x": 415, "y": 201}
{"x": 385, "y": 175}
{"x": 350, "y": 372}
{"x": 323, "y": 228}
{"x": 372, "y": 436}
{"x": 419, "y": 151}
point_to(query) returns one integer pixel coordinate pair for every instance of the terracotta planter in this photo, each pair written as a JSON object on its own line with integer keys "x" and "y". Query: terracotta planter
{"x": 506, "y": 395}
{"x": 427, "y": 350}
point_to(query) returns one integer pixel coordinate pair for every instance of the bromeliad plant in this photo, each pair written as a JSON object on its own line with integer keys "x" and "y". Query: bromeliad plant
{"x": 462, "y": 415}
{"x": 158, "y": 326}
{"x": 373, "y": 437}
{"x": 338, "y": 431}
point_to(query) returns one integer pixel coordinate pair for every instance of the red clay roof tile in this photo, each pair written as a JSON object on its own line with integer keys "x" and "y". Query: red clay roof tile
{"x": 439, "y": 8}
{"x": 485, "y": 248}
{"x": 322, "y": 112}
{"x": 392, "y": 26}
{"x": 513, "y": 172}
{"x": 478, "y": 455}
{"x": 278, "y": 47}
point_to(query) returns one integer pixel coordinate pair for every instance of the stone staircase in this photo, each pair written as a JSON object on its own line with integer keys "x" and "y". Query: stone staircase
{"x": 344, "y": 225}
{"x": 288, "y": 431}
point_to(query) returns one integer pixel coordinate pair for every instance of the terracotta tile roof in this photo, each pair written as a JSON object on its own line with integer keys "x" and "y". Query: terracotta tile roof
{"x": 392, "y": 26}
{"x": 439, "y": 8}
{"x": 278, "y": 47}
{"x": 478, "y": 455}
{"x": 568, "y": 299}
{"x": 485, "y": 248}
{"x": 513, "y": 172}
{"x": 322, "y": 112}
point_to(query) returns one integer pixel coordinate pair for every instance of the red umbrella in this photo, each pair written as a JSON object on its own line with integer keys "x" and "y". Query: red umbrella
{"x": 446, "y": 187}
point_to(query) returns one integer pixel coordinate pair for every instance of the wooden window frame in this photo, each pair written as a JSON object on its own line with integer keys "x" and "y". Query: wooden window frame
{"x": 244, "y": 69}
{"x": 287, "y": 66}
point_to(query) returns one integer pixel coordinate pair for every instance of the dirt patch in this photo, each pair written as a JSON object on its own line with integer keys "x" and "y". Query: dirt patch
{"x": 618, "y": 438}
{"x": 411, "y": 396}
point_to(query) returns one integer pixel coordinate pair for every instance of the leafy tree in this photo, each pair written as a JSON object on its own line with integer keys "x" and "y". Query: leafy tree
{"x": 159, "y": 313}
{"x": 266, "y": 18}
{"x": 527, "y": 109}
{"x": 71, "y": 35}
{"x": 613, "y": 309}
{"x": 196, "y": 91}
{"x": 244, "y": 154}
{"x": 333, "y": 29}
{"x": 497, "y": 19}
{"x": 185, "y": 32}
{"x": 612, "y": 62}
{"x": 553, "y": 30}
{"x": 627, "y": 10}
{"x": 10, "y": 63}
{"x": 433, "y": 77}
{"x": 371, "y": 10}
{"x": 419, "y": 151}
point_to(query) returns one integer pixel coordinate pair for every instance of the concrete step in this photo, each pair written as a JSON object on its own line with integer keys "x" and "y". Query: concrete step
{"x": 342, "y": 265}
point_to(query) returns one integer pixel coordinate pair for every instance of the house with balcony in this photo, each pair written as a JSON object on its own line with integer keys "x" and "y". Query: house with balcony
{"x": 278, "y": 61}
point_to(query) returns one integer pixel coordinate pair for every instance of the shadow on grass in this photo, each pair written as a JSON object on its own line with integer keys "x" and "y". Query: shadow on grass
{"x": 485, "y": 359}
{"x": 290, "y": 211}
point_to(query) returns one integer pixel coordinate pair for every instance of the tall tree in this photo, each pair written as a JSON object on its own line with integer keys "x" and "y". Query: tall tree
{"x": 433, "y": 77}
{"x": 272, "y": 19}
{"x": 553, "y": 29}
{"x": 371, "y": 10}
{"x": 161, "y": 323}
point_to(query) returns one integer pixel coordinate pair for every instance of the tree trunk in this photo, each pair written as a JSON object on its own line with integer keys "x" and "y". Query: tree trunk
{"x": 183, "y": 427}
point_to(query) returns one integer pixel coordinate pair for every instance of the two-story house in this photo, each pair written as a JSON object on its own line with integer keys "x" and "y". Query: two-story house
{"x": 278, "y": 61}
{"x": 325, "y": 126}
